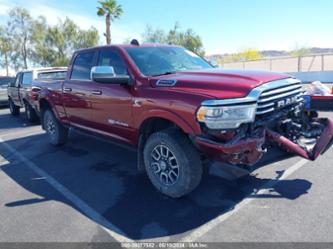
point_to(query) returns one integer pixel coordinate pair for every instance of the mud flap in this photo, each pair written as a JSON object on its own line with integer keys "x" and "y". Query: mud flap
{"x": 322, "y": 145}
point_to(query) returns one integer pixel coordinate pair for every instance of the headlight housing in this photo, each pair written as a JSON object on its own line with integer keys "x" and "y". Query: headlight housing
{"x": 226, "y": 117}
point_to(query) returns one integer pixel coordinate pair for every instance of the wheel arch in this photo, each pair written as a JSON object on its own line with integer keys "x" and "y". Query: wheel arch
{"x": 44, "y": 104}
{"x": 156, "y": 121}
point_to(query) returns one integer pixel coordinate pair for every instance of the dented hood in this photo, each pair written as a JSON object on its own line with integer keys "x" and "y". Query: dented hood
{"x": 219, "y": 83}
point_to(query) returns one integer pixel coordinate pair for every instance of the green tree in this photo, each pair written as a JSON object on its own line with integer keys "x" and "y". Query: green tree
{"x": 111, "y": 10}
{"x": 20, "y": 26}
{"x": 6, "y": 49}
{"x": 188, "y": 38}
{"x": 152, "y": 35}
{"x": 62, "y": 40}
{"x": 249, "y": 54}
{"x": 300, "y": 51}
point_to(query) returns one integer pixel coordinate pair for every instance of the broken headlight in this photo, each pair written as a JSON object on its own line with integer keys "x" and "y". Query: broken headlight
{"x": 226, "y": 117}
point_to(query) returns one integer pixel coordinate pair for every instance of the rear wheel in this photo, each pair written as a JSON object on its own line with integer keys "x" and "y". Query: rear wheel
{"x": 30, "y": 113}
{"x": 172, "y": 163}
{"x": 14, "y": 110}
{"x": 56, "y": 132}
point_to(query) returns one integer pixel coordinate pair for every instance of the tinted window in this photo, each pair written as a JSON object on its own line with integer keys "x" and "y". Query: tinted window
{"x": 161, "y": 60}
{"x": 27, "y": 79}
{"x": 113, "y": 59}
{"x": 82, "y": 66}
{"x": 60, "y": 75}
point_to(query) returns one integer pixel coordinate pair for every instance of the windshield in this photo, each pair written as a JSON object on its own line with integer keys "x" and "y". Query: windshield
{"x": 154, "y": 61}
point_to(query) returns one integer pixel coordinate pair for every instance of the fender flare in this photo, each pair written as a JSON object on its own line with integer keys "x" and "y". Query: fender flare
{"x": 170, "y": 116}
{"x": 45, "y": 98}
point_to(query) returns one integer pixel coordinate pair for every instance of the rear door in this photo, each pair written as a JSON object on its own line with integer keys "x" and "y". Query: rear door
{"x": 13, "y": 90}
{"x": 25, "y": 88}
{"x": 112, "y": 103}
{"x": 77, "y": 89}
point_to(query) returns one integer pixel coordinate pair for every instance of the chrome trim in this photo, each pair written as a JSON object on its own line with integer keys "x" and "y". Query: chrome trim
{"x": 254, "y": 95}
{"x": 267, "y": 99}
{"x": 281, "y": 90}
{"x": 273, "y": 109}
{"x": 265, "y": 111}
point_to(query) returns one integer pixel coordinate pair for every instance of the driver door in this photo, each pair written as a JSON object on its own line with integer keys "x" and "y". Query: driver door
{"x": 112, "y": 103}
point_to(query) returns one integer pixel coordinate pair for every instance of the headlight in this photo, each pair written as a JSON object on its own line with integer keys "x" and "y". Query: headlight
{"x": 226, "y": 117}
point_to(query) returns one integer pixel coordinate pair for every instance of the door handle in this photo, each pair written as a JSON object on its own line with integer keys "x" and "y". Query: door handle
{"x": 67, "y": 89}
{"x": 96, "y": 92}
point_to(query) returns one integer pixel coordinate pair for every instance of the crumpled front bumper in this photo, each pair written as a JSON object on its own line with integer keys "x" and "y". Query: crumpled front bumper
{"x": 249, "y": 151}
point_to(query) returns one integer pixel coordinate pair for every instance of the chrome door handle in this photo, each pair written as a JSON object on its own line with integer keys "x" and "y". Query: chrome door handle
{"x": 67, "y": 89}
{"x": 96, "y": 92}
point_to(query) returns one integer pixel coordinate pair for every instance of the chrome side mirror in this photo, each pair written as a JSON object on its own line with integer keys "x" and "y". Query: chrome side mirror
{"x": 106, "y": 74}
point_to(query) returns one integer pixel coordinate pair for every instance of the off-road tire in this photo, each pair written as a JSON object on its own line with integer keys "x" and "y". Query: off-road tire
{"x": 187, "y": 157}
{"x": 30, "y": 113}
{"x": 14, "y": 110}
{"x": 57, "y": 133}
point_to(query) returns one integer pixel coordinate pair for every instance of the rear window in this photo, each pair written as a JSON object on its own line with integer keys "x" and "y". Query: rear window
{"x": 59, "y": 75}
{"x": 27, "y": 79}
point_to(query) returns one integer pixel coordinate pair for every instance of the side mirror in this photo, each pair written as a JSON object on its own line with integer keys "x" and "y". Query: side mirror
{"x": 106, "y": 74}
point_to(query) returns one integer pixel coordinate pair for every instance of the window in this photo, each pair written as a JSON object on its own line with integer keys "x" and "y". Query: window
{"x": 18, "y": 80}
{"x": 113, "y": 59}
{"x": 165, "y": 60}
{"x": 5, "y": 81}
{"x": 27, "y": 79}
{"x": 82, "y": 66}
{"x": 58, "y": 75}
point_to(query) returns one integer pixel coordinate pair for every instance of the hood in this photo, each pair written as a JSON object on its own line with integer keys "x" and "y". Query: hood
{"x": 219, "y": 83}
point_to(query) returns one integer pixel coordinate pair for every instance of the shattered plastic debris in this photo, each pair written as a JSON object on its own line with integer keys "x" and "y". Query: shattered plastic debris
{"x": 317, "y": 88}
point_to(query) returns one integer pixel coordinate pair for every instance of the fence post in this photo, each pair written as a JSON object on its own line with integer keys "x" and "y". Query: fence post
{"x": 270, "y": 64}
{"x": 322, "y": 63}
{"x": 299, "y": 63}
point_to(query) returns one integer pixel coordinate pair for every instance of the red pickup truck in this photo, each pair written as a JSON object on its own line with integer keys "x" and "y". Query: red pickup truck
{"x": 178, "y": 111}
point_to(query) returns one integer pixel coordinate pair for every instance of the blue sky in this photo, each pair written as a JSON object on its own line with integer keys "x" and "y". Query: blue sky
{"x": 224, "y": 25}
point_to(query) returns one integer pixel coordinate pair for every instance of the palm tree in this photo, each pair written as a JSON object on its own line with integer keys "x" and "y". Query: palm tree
{"x": 111, "y": 10}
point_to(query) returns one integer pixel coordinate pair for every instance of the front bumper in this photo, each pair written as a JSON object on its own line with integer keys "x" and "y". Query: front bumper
{"x": 250, "y": 150}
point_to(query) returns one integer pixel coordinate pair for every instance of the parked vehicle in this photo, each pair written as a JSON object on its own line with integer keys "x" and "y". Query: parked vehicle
{"x": 178, "y": 111}
{"x": 4, "y": 82}
{"x": 21, "y": 91}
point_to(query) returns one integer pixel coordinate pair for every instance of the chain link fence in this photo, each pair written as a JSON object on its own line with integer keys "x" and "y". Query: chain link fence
{"x": 310, "y": 63}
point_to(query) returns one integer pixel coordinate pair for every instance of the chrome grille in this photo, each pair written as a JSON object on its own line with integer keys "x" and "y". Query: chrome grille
{"x": 285, "y": 94}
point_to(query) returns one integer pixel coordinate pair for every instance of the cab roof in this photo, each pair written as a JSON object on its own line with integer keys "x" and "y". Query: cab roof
{"x": 124, "y": 46}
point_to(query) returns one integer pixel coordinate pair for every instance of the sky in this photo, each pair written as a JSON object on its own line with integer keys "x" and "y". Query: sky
{"x": 225, "y": 26}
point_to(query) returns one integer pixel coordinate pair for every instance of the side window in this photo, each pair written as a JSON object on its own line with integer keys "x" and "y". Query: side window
{"x": 18, "y": 80}
{"x": 82, "y": 66}
{"x": 27, "y": 79}
{"x": 113, "y": 59}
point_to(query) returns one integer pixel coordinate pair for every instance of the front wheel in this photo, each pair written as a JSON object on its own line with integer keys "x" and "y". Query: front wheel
{"x": 57, "y": 133}
{"x": 172, "y": 163}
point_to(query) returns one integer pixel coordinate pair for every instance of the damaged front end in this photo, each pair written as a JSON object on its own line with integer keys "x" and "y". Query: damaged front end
{"x": 290, "y": 127}
{"x": 307, "y": 136}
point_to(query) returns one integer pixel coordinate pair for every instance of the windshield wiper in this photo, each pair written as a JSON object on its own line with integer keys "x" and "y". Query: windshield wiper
{"x": 165, "y": 73}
